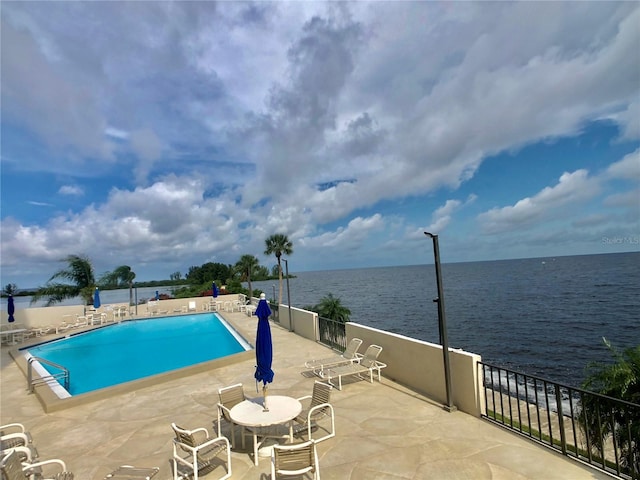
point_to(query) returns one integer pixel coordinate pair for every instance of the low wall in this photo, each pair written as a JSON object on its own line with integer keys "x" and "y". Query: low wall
{"x": 303, "y": 322}
{"x": 419, "y": 366}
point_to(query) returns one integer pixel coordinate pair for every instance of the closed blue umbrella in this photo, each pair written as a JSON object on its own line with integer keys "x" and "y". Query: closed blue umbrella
{"x": 214, "y": 290}
{"x": 264, "y": 347}
{"x": 11, "y": 308}
{"x": 96, "y": 298}
{"x": 157, "y": 295}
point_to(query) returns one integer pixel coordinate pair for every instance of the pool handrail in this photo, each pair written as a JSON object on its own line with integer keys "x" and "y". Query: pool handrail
{"x": 31, "y": 382}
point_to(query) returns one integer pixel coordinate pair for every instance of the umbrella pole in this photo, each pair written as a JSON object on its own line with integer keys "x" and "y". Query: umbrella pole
{"x": 264, "y": 396}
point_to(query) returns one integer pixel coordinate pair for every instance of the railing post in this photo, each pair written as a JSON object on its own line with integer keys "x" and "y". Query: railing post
{"x": 29, "y": 375}
{"x": 563, "y": 439}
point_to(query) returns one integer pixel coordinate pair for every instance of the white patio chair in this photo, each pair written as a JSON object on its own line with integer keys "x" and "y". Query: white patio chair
{"x": 194, "y": 450}
{"x": 295, "y": 460}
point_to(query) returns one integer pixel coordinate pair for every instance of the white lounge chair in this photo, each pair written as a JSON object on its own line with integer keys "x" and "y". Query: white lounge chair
{"x": 367, "y": 365}
{"x": 128, "y": 472}
{"x": 350, "y": 355}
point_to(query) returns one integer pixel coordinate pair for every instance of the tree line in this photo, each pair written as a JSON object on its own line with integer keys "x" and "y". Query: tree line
{"x": 78, "y": 278}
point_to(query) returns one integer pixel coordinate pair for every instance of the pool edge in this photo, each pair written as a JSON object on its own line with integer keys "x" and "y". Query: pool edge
{"x": 50, "y": 401}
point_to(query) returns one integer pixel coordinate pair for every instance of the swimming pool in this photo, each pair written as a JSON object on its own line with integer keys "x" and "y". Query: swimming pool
{"x": 136, "y": 349}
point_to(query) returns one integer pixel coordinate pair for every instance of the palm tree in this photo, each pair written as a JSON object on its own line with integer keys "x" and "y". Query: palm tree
{"x": 331, "y": 307}
{"x": 244, "y": 267}
{"x": 121, "y": 275}
{"x": 619, "y": 380}
{"x": 10, "y": 289}
{"x": 278, "y": 244}
{"x": 79, "y": 271}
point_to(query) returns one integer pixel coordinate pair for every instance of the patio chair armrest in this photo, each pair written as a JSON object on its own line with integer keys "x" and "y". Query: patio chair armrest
{"x": 54, "y": 461}
{"x": 213, "y": 441}
{"x": 380, "y": 365}
{"x": 306, "y": 397}
{"x": 200, "y": 431}
{"x": 197, "y": 448}
{"x": 7, "y": 437}
{"x": 224, "y": 410}
{"x": 319, "y": 407}
{"x": 26, "y": 451}
{"x": 18, "y": 426}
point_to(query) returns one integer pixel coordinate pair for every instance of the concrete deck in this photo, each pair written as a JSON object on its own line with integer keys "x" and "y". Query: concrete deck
{"x": 384, "y": 431}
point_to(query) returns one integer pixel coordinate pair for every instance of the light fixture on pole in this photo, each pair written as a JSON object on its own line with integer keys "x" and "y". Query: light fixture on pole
{"x": 286, "y": 266}
{"x": 442, "y": 324}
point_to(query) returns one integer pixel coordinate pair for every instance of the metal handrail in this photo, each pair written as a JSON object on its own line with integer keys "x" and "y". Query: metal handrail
{"x": 31, "y": 382}
{"x": 332, "y": 333}
{"x": 588, "y": 426}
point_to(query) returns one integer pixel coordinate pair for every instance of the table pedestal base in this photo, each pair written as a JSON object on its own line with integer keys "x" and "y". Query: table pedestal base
{"x": 267, "y": 447}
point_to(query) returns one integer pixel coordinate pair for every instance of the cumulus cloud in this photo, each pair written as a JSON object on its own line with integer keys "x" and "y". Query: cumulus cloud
{"x": 351, "y": 236}
{"x": 550, "y": 202}
{"x": 628, "y": 168}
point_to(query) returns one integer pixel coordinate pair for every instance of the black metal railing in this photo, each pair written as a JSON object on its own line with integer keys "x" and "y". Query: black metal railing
{"x": 332, "y": 333}
{"x": 594, "y": 428}
{"x": 275, "y": 314}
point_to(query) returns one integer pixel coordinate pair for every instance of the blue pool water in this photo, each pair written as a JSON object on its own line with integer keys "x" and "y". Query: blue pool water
{"x": 136, "y": 349}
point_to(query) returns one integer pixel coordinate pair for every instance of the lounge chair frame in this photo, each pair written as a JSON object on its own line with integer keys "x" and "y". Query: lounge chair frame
{"x": 128, "y": 472}
{"x": 368, "y": 364}
{"x": 350, "y": 355}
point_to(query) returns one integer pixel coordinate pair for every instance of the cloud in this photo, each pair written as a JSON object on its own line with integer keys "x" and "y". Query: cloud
{"x": 628, "y": 168}
{"x": 40, "y": 94}
{"x": 547, "y": 204}
{"x": 148, "y": 148}
{"x": 443, "y": 215}
{"x": 71, "y": 190}
{"x": 240, "y": 120}
{"x": 350, "y": 237}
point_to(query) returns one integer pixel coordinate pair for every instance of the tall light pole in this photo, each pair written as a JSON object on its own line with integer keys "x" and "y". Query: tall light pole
{"x": 286, "y": 266}
{"x": 442, "y": 324}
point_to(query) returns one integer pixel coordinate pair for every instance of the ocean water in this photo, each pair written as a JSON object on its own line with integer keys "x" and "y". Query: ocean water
{"x": 540, "y": 316}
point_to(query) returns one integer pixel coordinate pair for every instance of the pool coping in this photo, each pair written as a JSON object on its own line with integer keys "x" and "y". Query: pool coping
{"x": 51, "y": 402}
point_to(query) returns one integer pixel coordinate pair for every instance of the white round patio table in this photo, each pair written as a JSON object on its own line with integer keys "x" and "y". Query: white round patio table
{"x": 252, "y": 414}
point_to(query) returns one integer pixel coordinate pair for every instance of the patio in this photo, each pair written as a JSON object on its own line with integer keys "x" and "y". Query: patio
{"x": 384, "y": 431}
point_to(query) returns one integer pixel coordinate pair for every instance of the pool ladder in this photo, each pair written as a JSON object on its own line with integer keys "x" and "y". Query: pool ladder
{"x": 32, "y": 382}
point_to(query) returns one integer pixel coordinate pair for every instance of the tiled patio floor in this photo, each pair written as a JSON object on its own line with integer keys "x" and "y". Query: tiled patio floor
{"x": 384, "y": 431}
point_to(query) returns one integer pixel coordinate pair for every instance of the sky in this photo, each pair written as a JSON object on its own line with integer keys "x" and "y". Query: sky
{"x": 164, "y": 135}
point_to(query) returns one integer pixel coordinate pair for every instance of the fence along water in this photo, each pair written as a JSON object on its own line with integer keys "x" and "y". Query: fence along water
{"x": 590, "y": 427}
